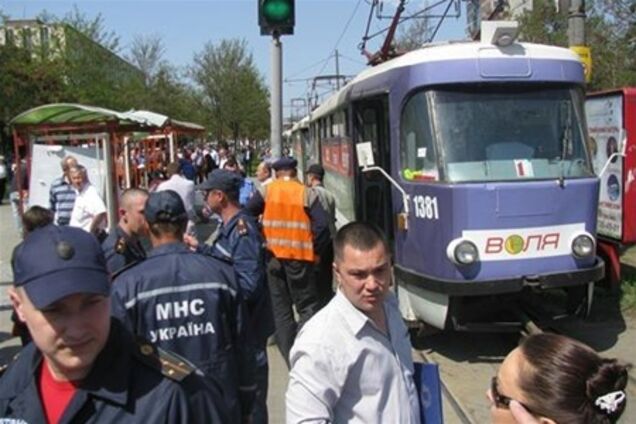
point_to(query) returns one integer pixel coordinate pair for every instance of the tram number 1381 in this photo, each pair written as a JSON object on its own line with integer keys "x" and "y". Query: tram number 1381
{"x": 426, "y": 207}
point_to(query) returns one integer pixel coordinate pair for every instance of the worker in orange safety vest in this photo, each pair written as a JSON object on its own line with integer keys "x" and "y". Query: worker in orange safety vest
{"x": 295, "y": 227}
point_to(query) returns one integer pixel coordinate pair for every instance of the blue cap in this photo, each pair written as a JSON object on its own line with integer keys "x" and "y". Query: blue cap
{"x": 165, "y": 206}
{"x": 285, "y": 163}
{"x": 222, "y": 179}
{"x": 55, "y": 262}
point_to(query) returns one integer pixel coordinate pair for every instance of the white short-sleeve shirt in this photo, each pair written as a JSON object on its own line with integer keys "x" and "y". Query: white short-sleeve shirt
{"x": 88, "y": 204}
{"x": 344, "y": 370}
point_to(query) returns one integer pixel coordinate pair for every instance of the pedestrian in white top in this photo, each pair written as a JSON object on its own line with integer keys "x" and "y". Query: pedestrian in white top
{"x": 89, "y": 210}
{"x": 351, "y": 362}
{"x": 183, "y": 186}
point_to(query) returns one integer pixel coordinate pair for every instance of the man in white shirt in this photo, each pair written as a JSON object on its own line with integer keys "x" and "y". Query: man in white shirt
{"x": 352, "y": 362}
{"x": 183, "y": 186}
{"x": 89, "y": 210}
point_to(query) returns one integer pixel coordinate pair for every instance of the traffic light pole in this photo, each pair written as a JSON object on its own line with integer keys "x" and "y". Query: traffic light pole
{"x": 276, "y": 105}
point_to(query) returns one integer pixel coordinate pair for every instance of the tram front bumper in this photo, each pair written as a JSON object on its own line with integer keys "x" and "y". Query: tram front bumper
{"x": 507, "y": 285}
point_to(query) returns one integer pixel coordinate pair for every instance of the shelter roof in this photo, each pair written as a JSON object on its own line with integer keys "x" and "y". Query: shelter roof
{"x": 76, "y": 114}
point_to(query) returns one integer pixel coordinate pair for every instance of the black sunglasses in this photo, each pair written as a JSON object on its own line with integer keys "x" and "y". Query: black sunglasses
{"x": 502, "y": 401}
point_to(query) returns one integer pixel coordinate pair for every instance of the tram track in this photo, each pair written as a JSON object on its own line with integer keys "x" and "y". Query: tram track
{"x": 466, "y": 363}
{"x": 449, "y": 395}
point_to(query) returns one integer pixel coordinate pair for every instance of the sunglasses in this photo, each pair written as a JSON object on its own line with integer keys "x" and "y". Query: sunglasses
{"x": 502, "y": 401}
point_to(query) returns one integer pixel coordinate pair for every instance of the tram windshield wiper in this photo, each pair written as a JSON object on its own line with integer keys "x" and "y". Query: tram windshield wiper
{"x": 566, "y": 138}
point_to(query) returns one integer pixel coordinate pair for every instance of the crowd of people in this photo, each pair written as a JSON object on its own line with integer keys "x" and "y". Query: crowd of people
{"x": 149, "y": 323}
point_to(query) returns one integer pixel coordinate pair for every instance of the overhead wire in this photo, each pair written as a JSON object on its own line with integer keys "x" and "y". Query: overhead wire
{"x": 320, "y": 62}
{"x": 344, "y": 31}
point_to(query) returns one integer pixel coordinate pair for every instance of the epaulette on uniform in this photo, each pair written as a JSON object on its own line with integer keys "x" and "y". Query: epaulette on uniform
{"x": 169, "y": 364}
{"x": 5, "y": 366}
{"x": 124, "y": 269}
{"x": 241, "y": 227}
{"x": 120, "y": 245}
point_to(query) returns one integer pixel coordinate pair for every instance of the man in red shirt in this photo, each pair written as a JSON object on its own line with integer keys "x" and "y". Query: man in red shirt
{"x": 81, "y": 366}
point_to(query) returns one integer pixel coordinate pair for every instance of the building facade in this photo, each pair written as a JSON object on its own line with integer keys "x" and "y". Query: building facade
{"x": 54, "y": 40}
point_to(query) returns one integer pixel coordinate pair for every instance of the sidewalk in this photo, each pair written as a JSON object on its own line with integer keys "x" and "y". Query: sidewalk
{"x": 8, "y": 345}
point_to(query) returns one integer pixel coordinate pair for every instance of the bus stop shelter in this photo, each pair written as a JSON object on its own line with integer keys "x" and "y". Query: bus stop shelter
{"x": 65, "y": 125}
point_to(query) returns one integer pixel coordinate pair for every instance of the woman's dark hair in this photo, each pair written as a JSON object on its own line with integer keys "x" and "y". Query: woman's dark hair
{"x": 563, "y": 379}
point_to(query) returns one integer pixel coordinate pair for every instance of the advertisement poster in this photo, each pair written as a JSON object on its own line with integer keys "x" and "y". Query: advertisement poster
{"x": 605, "y": 122}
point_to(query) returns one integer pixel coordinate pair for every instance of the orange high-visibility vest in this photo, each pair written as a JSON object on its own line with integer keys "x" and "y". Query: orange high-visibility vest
{"x": 286, "y": 225}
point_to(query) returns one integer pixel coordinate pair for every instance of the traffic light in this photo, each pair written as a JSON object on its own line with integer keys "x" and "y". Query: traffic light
{"x": 276, "y": 17}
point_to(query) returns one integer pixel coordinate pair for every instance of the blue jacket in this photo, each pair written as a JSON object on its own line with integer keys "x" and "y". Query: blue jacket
{"x": 190, "y": 304}
{"x": 240, "y": 243}
{"x": 121, "y": 250}
{"x": 126, "y": 385}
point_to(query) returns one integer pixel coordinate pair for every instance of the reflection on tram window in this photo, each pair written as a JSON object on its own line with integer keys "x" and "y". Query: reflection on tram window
{"x": 494, "y": 133}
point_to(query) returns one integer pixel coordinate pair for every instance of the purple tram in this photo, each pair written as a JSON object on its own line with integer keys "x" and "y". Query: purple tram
{"x": 481, "y": 178}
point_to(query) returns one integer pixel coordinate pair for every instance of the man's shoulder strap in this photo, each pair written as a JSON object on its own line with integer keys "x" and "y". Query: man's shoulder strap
{"x": 168, "y": 363}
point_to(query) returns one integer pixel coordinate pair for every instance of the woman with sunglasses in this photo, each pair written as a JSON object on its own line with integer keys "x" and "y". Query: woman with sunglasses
{"x": 552, "y": 379}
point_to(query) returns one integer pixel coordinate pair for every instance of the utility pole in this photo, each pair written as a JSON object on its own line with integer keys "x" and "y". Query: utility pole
{"x": 576, "y": 35}
{"x": 337, "y": 71}
{"x": 576, "y": 23}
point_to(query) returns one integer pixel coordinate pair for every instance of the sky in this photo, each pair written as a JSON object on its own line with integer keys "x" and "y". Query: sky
{"x": 322, "y": 26}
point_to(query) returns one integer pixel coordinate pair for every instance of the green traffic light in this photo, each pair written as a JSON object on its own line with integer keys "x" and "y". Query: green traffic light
{"x": 277, "y": 10}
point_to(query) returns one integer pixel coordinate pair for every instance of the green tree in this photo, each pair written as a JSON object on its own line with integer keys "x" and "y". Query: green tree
{"x": 609, "y": 32}
{"x": 233, "y": 92}
{"x": 415, "y": 34}
{"x": 27, "y": 82}
{"x": 146, "y": 52}
{"x": 94, "y": 28}
{"x": 544, "y": 25}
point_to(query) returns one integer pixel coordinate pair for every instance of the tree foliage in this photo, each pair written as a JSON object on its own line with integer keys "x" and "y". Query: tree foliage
{"x": 26, "y": 82}
{"x": 415, "y": 34}
{"x": 93, "y": 28}
{"x": 233, "y": 91}
{"x": 610, "y": 31}
{"x": 146, "y": 52}
{"x": 222, "y": 89}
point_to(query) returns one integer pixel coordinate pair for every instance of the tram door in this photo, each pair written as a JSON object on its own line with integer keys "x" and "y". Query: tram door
{"x": 373, "y": 191}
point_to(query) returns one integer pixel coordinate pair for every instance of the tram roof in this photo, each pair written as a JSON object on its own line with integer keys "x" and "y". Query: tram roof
{"x": 77, "y": 114}
{"x": 303, "y": 123}
{"x": 448, "y": 51}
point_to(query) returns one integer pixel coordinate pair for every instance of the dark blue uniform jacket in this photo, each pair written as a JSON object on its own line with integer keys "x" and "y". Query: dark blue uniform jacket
{"x": 124, "y": 386}
{"x": 239, "y": 242}
{"x": 121, "y": 250}
{"x": 190, "y": 304}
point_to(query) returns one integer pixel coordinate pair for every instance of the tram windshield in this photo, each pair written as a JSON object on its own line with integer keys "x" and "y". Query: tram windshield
{"x": 496, "y": 132}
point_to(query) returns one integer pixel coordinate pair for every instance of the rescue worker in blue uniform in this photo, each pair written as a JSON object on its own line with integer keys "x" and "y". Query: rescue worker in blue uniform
{"x": 82, "y": 366}
{"x": 241, "y": 243}
{"x": 123, "y": 245}
{"x": 188, "y": 303}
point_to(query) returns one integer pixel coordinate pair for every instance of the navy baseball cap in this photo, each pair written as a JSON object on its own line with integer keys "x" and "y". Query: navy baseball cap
{"x": 222, "y": 179}
{"x": 285, "y": 163}
{"x": 165, "y": 206}
{"x": 54, "y": 262}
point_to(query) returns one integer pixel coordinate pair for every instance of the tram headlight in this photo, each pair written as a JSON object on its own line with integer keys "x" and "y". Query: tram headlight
{"x": 583, "y": 245}
{"x": 462, "y": 252}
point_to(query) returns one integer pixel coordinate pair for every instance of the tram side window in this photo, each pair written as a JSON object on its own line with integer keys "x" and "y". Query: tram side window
{"x": 417, "y": 153}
